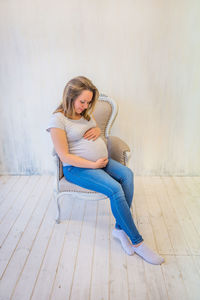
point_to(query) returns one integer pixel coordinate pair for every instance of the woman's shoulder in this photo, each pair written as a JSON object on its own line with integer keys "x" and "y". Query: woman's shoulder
{"x": 56, "y": 121}
{"x": 59, "y": 115}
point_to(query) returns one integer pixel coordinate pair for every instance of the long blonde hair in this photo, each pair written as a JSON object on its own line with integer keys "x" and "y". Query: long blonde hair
{"x": 71, "y": 91}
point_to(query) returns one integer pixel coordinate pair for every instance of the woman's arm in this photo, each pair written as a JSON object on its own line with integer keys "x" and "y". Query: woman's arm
{"x": 60, "y": 142}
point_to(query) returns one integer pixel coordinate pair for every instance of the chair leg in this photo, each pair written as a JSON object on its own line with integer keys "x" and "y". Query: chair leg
{"x": 58, "y": 206}
{"x": 58, "y": 201}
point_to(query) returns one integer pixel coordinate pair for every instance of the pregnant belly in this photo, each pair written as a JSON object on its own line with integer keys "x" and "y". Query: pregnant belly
{"x": 88, "y": 149}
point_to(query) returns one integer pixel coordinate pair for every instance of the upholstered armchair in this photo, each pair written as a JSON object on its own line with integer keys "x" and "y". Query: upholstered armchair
{"x": 105, "y": 113}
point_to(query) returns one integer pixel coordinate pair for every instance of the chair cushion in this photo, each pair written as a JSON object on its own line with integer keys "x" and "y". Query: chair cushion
{"x": 66, "y": 186}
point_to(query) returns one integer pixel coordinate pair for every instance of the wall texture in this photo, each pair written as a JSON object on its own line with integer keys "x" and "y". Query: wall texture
{"x": 143, "y": 54}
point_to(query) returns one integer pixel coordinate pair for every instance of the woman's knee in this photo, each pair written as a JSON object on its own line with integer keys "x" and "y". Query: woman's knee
{"x": 131, "y": 174}
{"x": 128, "y": 174}
{"x": 116, "y": 190}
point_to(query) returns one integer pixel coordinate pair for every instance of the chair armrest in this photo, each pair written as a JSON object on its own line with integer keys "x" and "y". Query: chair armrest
{"x": 54, "y": 153}
{"x": 58, "y": 164}
{"x": 117, "y": 149}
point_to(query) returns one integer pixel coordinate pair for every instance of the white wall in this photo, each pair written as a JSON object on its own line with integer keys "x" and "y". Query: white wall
{"x": 144, "y": 54}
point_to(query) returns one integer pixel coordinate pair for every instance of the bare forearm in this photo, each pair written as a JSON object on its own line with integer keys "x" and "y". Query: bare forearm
{"x": 78, "y": 161}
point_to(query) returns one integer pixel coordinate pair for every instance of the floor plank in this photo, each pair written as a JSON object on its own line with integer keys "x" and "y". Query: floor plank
{"x": 49, "y": 266}
{"x": 12, "y": 216}
{"x": 28, "y": 277}
{"x": 174, "y": 279}
{"x": 80, "y": 289}
{"x": 118, "y": 265}
{"x": 68, "y": 258}
{"x": 15, "y": 263}
{"x": 13, "y": 195}
{"x": 6, "y": 185}
{"x": 190, "y": 275}
{"x": 15, "y": 234}
{"x": 100, "y": 271}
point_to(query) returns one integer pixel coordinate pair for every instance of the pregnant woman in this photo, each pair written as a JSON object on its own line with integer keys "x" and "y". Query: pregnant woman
{"x": 84, "y": 156}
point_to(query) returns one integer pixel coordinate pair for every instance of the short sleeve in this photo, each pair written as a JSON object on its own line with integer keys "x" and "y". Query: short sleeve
{"x": 56, "y": 121}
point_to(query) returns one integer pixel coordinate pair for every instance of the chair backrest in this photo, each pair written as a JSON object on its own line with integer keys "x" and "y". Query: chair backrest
{"x": 104, "y": 113}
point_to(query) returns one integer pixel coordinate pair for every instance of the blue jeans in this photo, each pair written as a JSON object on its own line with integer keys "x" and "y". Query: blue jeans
{"x": 116, "y": 182}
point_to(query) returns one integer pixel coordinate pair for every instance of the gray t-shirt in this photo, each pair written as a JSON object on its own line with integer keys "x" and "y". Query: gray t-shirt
{"x": 77, "y": 144}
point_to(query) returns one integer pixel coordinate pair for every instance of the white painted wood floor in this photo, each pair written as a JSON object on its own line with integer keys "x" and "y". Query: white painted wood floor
{"x": 78, "y": 259}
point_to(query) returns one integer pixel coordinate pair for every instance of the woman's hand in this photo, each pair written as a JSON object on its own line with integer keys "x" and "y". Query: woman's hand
{"x": 100, "y": 163}
{"x": 92, "y": 133}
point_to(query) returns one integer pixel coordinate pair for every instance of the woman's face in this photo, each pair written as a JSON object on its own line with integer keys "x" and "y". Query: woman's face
{"x": 82, "y": 101}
